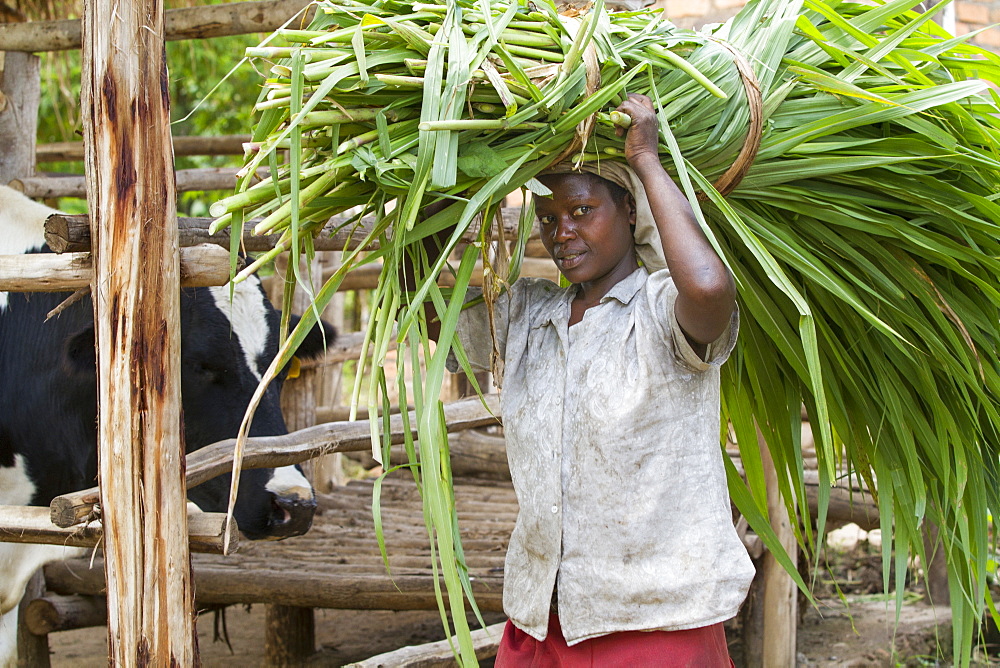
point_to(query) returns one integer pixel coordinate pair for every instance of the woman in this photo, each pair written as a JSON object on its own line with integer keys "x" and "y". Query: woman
{"x": 624, "y": 552}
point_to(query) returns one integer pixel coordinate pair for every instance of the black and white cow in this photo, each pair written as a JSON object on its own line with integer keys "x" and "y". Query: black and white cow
{"x": 48, "y": 404}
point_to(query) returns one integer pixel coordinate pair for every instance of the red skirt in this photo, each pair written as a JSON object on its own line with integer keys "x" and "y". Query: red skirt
{"x": 703, "y": 647}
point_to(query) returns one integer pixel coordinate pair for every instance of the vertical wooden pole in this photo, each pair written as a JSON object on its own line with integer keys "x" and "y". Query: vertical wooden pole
{"x": 328, "y": 470}
{"x": 290, "y": 635}
{"x": 935, "y": 572}
{"x": 290, "y": 631}
{"x": 32, "y": 650}
{"x": 780, "y": 598}
{"x": 131, "y": 192}
{"x": 752, "y": 620}
{"x": 19, "y": 96}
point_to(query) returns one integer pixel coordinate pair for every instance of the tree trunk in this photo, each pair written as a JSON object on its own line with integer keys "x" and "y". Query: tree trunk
{"x": 437, "y": 654}
{"x": 290, "y": 635}
{"x": 136, "y": 288}
{"x": 66, "y": 233}
{"x": 751, "y": 617}
{"x": 351, "y": 591}
{"x": 328, "y": 471}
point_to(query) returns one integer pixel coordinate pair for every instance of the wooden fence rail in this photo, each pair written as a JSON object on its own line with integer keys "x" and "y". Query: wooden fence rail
{"x": 437, "y": 654}
{"x": 294, "y": 448}
{"x": 31, "y": 524}
{"x": 188, "y": 180}
{"x": 354, "y": 591}
{"x": 237, "y": 18}
{"x": 48, "y": 272}
{"x": 72, "y": 151}
{"x": 50, "y": 613}
{"x": 66, "y": 233}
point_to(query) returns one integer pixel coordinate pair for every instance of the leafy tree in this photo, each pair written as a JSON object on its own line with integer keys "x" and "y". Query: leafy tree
{"x": 195, "y": 68}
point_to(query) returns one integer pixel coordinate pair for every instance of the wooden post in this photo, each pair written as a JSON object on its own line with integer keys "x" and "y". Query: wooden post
{"x": 19, "y": 95}
{"x": 130, "y": 188}
{"x": 328, "y": 471}
{"x": 936, "y": 591}
{"x": 780, "y": 597}
{"x": 290, "y": 631}
{"x": 751, "y": 618}
{"x": 32, "y": 650}
{"x": 290, "y": 636}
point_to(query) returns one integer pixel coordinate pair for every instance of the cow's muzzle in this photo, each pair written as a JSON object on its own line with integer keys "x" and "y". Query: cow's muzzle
{"x": 290, "y": 516}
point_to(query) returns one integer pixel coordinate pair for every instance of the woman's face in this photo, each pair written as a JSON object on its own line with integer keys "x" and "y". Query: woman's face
{"x": 587, "y": 233}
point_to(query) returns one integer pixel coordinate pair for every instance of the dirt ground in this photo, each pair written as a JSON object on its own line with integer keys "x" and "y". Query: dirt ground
{"x": 861, "y": 635}
{"x": 826, "y": 637}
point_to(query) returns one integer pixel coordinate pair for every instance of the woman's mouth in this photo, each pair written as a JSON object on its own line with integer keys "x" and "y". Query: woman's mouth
{"x": 570, "y": 260}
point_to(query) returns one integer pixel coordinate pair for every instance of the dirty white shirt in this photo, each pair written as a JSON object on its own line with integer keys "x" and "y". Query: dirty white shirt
{"x": 612, "y": 429}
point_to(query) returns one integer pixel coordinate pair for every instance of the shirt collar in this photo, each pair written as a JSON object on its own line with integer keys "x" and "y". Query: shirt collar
{"x": 625, "y": 289}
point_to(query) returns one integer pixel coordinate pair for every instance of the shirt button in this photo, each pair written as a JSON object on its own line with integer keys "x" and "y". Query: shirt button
{"x": 555, "y": 509}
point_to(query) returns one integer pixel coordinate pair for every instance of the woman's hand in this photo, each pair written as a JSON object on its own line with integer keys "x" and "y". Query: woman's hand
{"x": 642, "y": 139}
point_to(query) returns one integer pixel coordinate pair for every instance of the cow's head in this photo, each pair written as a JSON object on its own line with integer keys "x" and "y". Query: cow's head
{"x": 226, "y": 346}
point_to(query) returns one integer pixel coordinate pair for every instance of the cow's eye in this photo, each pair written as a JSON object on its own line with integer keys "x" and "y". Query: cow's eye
{"x": 210, "y": 373}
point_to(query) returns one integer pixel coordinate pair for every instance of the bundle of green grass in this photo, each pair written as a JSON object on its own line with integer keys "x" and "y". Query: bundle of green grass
{"x": 844, "y": 159}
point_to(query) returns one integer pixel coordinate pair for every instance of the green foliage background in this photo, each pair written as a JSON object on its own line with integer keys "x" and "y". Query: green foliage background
{"x": 195, "y": 66}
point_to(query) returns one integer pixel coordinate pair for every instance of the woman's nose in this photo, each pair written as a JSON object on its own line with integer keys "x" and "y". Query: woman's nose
{"x": 565, "y": 230}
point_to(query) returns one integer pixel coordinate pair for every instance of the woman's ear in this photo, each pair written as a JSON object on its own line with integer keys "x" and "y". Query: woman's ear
{"x": 630, "y": 203}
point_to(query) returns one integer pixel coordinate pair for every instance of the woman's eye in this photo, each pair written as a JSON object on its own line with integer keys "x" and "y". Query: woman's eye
{"x": 581, "y": 210}
{"x": 546, "y": 220}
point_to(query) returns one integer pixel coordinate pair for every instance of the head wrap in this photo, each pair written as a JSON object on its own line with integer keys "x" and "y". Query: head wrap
{"x": 647, "y": 238}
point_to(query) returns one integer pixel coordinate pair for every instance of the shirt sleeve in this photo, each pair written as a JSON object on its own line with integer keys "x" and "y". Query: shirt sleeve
{"x": 475, "y": 335}
{"x": 663, "y": 295}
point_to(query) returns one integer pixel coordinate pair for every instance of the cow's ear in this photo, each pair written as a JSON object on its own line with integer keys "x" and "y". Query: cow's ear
{"x": 79, "y": 351}
{"x": 319, "y": 338}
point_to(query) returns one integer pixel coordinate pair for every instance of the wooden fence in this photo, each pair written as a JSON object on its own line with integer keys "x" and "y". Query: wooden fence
{"x": 76, "y": 235}
{"x": 198, "y": 265}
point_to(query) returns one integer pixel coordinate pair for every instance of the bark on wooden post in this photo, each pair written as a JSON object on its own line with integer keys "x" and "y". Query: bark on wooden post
{"x": 131, "y": 191}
